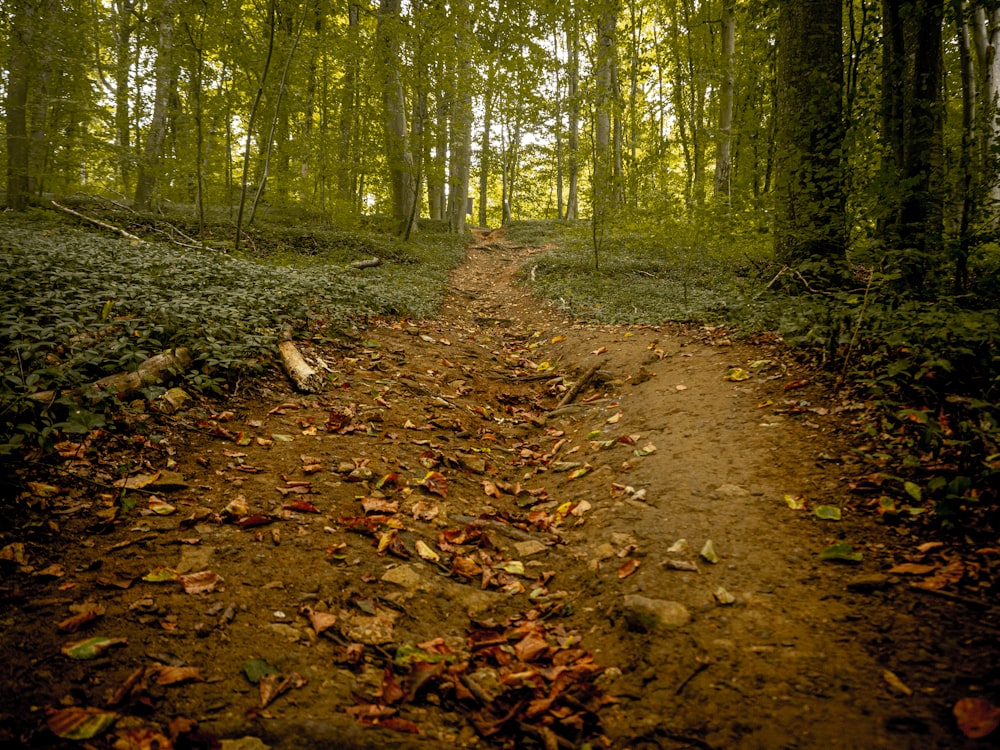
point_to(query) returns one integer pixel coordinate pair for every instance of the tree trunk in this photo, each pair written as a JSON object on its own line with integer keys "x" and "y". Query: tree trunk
{"x": 397, "y": 140}
{"x": 968, "y": 148}
{"x": 723, "y": 167}
{"x": 124, "y": 27}
{"x": 605, "y": 110}
{"x": 348, "y": 97}
{"x": 251, "y": 120}
{"x": 912, "y": 70}
{"x": 986, "y": 36}
{"x": 152, "y": 153}
{"x": 809, "y": 184}
{"x": 461, "y": 144}
{"x": 21, "y": 52}
{"x": 573, "y": 112}
{"x": 485, "y": 153}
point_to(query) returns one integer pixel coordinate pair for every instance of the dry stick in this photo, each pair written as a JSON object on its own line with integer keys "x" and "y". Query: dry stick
{"x": 953, "y": 597}
{"x": 366, "y": 263}
{"x": 126, "y": 384}
{"x": 573, "y": 392}
{"x": 305, "y": 378}
{"x": 98, "y": 222}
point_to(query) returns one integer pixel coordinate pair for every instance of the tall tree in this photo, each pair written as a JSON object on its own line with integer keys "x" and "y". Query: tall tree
{"x": 607, "y": 192}
{"x": 24, "y": 29}
{"x": 573, "y": 110}
{"x": 911, "y": 129}
{"x": 726, "y": 100}
{"x": 397, "y": 139}
{"x": 809, "y": 181}
{"x": 156, "y": 136}
{"x": 461, "y": 142}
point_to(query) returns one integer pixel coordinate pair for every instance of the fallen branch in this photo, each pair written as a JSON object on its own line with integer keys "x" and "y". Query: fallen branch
{"x": 573, "y": 392}
{"x": 125, "y": 385}
{"x": 98, "y": 222}
{"x": 500, "y": 527}
{"x": 366, "y": 263}
{"x": 303, "y": 376}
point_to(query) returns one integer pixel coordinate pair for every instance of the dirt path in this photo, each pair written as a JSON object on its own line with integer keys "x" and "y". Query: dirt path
{"x": 562, "y": 606}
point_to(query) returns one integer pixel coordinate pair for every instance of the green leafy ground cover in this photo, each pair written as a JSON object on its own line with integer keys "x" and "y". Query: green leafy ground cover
{"x": 81, "y": 304}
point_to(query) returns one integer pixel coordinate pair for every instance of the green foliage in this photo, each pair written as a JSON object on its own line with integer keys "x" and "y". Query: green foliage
{"x": 78, "y": 306}
{"x": 649, "y": 272}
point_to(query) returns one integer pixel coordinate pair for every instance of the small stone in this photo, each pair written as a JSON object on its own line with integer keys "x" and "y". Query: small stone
{"x": 529, "y": 548}
{"x": 194, "y": 558}
{"x": 168, "y": 481}
{"x": 289, "y": 632}
{"x": 731, "y": 491}
{"x": 646, "y": 615}
{"x": 867, "y": 584}
{"x": 407, "y": 577}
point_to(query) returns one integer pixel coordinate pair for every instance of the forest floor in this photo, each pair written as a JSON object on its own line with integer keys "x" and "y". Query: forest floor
{"x": 432, "y": 553}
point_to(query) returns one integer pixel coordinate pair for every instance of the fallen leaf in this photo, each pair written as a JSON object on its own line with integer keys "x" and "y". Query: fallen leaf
{"x": 273, "y": 685}
{"x": 736, "y": 374}
{"x": 841, "y": 552}
{"x": 203, "y": 582}
{"x": 80, "y": 722}
{"x": 686, "y": 565}
{"x": 912, "y": 569}
{"x": 577, "y": 473}
{"x": 436, "y": 483}
{"x": 171, "y": 675}
{"x": 628, "y": 567}
{"x": 85, "y": 617}
{"x": 977, "y": 717}
{"x": 827, "y": 512}
{"x": 425, "y": 552}
{"x": 708, "y": 552}
{"x": 895, "y": 684}
{"x": 160, "y": 574}
{"x": 645, "y": 450}
{"x": 320, "y": 621}
{"x": 91, "y": 648}
{"x": 614, "y": 419}
{"x": 795, "y": 502}
{"x": 679, "y": 546}
{"x": 301, "y": 506}
{"x": 160, "y": 507}
{"x": 256, "y": 669}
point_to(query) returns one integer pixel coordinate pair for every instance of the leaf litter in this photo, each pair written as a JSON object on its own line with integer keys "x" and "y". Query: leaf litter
{"x": 407, "y": 469}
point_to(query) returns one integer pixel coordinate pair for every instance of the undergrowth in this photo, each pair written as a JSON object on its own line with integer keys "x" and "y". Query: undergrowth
{"x": 928, "y": 372}
{"x": 80, "y": 304}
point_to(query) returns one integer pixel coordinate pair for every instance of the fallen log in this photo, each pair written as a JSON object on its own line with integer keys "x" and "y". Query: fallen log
{"x": 573, "y": 392}
{"x": 366, "y": 263}
{"x": 125, "y": 385}
{"x": 303, "y": 376}
{"x": 103, "y": 224}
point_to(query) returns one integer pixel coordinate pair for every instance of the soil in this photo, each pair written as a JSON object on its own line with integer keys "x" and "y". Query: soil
{"x": 573, "y": 599}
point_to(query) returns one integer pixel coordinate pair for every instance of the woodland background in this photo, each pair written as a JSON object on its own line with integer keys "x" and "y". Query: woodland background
{"x": 825, "y": 169}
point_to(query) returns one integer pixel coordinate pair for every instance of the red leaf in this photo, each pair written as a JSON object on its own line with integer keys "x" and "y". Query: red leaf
{"x": 301, "y": 506}
{"x": 977, "y": 717}
{"x": 436, "y": 483}
{"x": 628, "y": 568}
{"x": 256, "y": 519}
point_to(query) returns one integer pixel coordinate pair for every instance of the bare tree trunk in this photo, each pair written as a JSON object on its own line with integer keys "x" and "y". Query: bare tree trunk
{"x": 269, "y": 145}
{"x": 723, "y": 165}
{"x": 252, "y": 119}
{"x": 605, "y": 111}
{"x": 21, "y": 46}
{"x": 458, "y": 189}
{"x": 557, "y": 129}
{"x": 348, "y": 96}
{"x": 986, "y": 36}
{"x": 124, "y": 10}
{"x": 485, "y": 149}
{"x": 152, "y": 154}
{"x": 397, "y": 141}
{"x": 811, "y": 222}
{"x": 968, "y": 150}
{"x": 573, "y": 97}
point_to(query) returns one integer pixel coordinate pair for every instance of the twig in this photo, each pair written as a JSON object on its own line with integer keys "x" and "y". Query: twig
{"x": 978, "y": 603}
{"x": 500, "y": 527}
{"x": 697, "y": 671}
{"x": 98, "y": 222}
{"x": 573, "y": 392}
{"x": 772, "y": 281}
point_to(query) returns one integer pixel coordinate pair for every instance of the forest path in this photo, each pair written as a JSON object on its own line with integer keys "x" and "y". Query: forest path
{"x": 305, "y": 530}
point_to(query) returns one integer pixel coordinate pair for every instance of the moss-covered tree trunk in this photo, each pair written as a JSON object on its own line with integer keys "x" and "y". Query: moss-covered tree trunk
{"x": 809, "y": 178}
